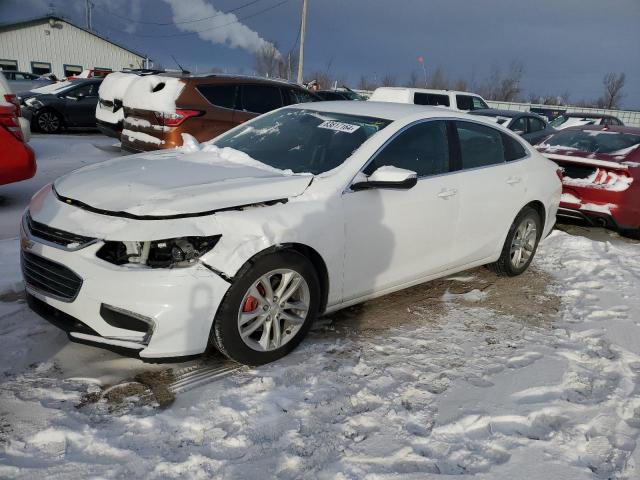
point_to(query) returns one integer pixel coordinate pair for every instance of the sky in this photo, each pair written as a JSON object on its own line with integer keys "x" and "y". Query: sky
{"x": 564, "y": 45}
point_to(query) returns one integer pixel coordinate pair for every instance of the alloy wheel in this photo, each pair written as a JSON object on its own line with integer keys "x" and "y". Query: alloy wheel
{"x": 273, "y": 309}
{"x": 523, "y": 243}
{"x": 48, "y": 122}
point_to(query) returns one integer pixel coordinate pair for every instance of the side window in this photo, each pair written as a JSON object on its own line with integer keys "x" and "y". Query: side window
{"x": 513, "y": 150}
{"x": 519, "y": 125}
{"x": 297, "y": 96}
{"x": 423, "y": 149}
{"x": 87, "y": 90}
{"x": 480, "y": 146}
{"x": 219, "y": 95}
{"x": 432, "y": 99}
{"x": 535, "y": 124}
{"x": 465, "y": 102}
{"x": 478, "y": 104}
{"x": 260, "y": 98}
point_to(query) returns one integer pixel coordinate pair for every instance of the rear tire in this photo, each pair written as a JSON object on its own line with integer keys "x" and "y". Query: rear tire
{"x": 48, "y": 121}
{"x": 268, "y": 309}
{"x": 520, "y": 245}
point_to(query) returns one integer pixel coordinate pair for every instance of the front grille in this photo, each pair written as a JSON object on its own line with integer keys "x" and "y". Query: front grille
{"x": 50, "y": 278}
{"x": 53, "y": 235}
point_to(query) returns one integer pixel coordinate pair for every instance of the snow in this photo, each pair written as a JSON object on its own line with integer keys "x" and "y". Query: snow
{"x": 53, "y": 87}
{"x": 601, "y": 179}
{"x": 455, "y": 387}
{"x": 140, "y": 94}
{"x": 113, "y": 87}
{"x": 141, "y": 136}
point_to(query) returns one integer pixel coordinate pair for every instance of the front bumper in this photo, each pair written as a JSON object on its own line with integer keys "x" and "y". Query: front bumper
{"x": 109, "y": 129}
{"x": 178, "y": 304}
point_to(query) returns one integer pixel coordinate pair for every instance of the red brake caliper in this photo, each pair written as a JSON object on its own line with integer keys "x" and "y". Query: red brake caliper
{"x": 251, "y": 303}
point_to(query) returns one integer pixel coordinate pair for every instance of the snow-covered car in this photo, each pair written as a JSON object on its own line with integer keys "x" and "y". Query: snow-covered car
{"x": 242, "y": 241}
{"x": 23, "y": 81}
{"x": 581, "y": 119}
{"x": 461, "y": 101}
{"x": 601, "y": 175}
{"x": 109, "y": 110}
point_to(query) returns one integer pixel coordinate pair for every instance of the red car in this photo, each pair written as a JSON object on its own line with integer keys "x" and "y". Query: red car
{"x": 17, "y": 160}
{"x": 601, "y": 175}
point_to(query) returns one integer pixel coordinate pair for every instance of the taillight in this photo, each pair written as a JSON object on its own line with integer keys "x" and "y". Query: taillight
{"x": 174, "y": 119}
{"x": 11, "y": 98}
{"x": 9, "y": 120}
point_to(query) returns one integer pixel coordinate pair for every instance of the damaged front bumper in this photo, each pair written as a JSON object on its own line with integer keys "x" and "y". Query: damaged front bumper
{"x": 157, "y": 312}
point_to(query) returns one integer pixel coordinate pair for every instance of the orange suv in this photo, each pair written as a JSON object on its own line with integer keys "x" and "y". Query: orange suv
{"x": 205, "y": 107}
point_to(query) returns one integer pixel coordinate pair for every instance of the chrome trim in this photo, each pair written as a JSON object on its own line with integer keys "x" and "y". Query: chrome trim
{"x": 527, "y": 148}
{"x": 30, "y": 236}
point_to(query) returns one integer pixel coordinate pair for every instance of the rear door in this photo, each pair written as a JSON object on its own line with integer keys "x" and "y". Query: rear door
{"x": 256, "y": 99}
{"x": 80, "y": 105}
{"x": 492, "y": 189}
{"x": 222, "y": 102}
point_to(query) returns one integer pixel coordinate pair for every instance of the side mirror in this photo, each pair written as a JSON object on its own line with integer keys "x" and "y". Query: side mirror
{"x": 386, "y": 177}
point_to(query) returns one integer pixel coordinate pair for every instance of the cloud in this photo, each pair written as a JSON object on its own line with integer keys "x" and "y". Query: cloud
{"x": 223, "y": 28}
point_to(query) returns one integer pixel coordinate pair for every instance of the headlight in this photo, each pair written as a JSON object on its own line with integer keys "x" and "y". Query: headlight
{"x": 169, "y": 253}
{"x": 33, "y": 102}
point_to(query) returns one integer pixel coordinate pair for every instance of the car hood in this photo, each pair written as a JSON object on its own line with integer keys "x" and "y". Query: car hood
{"x": 175, "y": 183}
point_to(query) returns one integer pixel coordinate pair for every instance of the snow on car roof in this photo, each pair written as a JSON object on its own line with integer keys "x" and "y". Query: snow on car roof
{"x": 386, "y": 110}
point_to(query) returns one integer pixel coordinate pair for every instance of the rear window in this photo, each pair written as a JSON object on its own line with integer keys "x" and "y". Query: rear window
{"x": 219, "y": 95}
{"x": 260, "y": 98}
{"x": 593, "y": 141}
{"x": 480, "y": 146}
{"x": 431, "y": 99}
{"x": 298, "y": 96}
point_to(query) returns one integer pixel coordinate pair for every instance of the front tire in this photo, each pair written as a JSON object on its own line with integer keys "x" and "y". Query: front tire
{"x": 48, "y": 121}
{"x": 520, "y": 245}
{"x": 268, "y": 309}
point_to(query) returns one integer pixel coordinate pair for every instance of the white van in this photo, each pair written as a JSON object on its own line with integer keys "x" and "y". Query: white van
{"x": 461, "y": 101}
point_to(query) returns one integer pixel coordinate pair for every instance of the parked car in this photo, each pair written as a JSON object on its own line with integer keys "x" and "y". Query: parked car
{"x": 17, "y": 160}
{"x": 241, "y": 242}
{"x": 159, "y": 109}
{"x": 72, "y": 104}
{"x": 533, "y": 128}
{"x": 462, "y": 101}
{"x": 91, "y": 73}
{"x": 7, "y": 95}
{"x": 23, "y": 81}
{"x": 109, "y": 110}
{"x": 332, "y": 95}
{"x": 567, "y": 120}
{"x": 601, "y": 179}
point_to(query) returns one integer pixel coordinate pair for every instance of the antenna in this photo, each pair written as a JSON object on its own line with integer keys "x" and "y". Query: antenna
{"x": 180, "y": 66}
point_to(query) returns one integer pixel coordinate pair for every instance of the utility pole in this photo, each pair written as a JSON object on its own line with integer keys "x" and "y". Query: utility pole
{"x": 303, "y": 27}
{"x": 87, "y": 7}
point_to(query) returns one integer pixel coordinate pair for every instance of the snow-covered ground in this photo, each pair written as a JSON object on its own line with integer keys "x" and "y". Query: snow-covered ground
{"x": 536, "y": 377}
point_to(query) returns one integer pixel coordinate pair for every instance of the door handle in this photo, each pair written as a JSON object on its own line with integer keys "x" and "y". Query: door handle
{"x": 447, "y": 192}
{"x": 513, "y": 180}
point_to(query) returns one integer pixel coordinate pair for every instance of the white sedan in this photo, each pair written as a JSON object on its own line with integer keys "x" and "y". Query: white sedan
{"x": 239, "y": 243}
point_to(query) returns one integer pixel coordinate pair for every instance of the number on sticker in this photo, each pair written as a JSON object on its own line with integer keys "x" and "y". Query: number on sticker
{"x": 339, "y": 126}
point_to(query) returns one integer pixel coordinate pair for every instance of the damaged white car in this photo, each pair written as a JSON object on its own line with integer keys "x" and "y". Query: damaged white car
{"x": 239, "y": 243}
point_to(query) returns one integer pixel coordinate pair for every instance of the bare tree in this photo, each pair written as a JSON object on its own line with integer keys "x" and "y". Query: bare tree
{"x": 267, "y": 60}
{"x": 503, "y": 87}
{"x": 389, "y": 80}
{"x": 438, "y": 79}
{"x": 461, "y": 85}
{"x": 414, "y": 80}
{"x": 366, "y": 83}
{"x": 613, "y": 85}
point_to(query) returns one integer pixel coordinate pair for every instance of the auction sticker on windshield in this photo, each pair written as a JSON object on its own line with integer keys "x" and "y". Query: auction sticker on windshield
{"x": 339, "y": 126}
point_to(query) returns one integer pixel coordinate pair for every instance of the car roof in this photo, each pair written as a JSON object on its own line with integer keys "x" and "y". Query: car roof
{"x": 385, "y": 110}
{"x": 496, "y": 112}
{"x": 281, "y": 81}
{"x": 587, "y": 115}
{"x": 607, "y": 128}
{"x": 428, "y": 90}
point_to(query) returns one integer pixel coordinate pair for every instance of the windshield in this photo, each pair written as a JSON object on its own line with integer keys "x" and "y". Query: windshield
{"x": 571, "y": 121}
{"x": 302, "y": 140}
{"x": 593, "y": 141}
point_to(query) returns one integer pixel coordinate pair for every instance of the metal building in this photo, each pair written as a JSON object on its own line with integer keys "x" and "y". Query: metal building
{"x": 52, "y": 44}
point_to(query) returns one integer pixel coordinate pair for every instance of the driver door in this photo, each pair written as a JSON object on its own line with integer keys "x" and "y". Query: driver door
{"x": 393, "y": 236}
{"x": 81, "y": 105}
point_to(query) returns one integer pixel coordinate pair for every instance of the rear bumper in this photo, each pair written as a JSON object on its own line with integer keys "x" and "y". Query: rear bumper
{"x": 109, "y": 129}
{"x": 17, "y": 159}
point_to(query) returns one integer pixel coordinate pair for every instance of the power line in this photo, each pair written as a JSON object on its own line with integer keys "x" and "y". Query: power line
{"x": 185, "y": 34}
{"x": 177, "y": 23}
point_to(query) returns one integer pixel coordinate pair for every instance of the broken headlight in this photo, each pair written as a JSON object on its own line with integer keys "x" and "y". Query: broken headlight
{"x": 169, "y": 253}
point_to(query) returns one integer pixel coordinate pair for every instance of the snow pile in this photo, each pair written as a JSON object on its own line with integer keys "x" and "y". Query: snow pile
{"x": 113, "y": 87}
{"x": 153, "y": 92}
{"x": 10, "y": 276}
{"x": 226, "y": 154}
{"x": 602, "y": 179}
{"x": 52, "y": 88}
{"x": 141, "y": 137}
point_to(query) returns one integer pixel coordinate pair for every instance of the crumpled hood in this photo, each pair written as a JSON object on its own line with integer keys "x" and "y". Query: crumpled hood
{"x": 176, "y": 182}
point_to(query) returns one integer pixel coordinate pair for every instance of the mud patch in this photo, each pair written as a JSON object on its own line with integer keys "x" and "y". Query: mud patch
{"x": 526, "y": 298}
{"x": 11, "y": 297}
